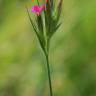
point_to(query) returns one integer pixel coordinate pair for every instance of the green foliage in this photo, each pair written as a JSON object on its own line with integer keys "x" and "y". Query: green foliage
{"x": 50, "y": 23}
{"x": 47, "y": 20}
{"x": 72, "y": 51}
{"x": 38, "y": 30}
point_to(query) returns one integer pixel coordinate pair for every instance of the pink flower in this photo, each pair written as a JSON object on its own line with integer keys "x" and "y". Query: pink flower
{"x": 38, "y": 9}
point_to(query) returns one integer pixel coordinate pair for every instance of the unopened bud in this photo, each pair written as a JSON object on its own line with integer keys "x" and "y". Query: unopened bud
{"x": 59, "y": 8}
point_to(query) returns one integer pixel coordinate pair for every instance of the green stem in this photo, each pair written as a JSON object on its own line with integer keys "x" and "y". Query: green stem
{"x": 48, "y": 72}
{"x": 37, "y": 2}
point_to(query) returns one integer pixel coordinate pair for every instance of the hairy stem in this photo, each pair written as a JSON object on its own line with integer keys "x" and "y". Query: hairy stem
{"x": 48, "y": 72}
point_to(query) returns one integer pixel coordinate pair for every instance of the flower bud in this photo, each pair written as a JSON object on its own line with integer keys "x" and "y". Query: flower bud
{"x": 59, "y": 8}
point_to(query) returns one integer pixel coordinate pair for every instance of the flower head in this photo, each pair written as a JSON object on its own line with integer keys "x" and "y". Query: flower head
{"x": 38, "y": 9}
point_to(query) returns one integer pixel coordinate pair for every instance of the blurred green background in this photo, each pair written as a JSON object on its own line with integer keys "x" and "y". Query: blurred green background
{"x": 72, "y": 51}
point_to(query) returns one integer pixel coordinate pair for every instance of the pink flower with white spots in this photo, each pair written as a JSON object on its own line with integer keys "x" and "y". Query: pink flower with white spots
{"x": 38, "y": 9}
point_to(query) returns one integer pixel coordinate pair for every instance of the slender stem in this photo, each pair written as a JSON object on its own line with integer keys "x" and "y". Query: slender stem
{"x": 49, "y": 74}
{"x": 37, "y": 2}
